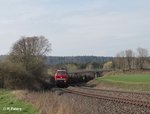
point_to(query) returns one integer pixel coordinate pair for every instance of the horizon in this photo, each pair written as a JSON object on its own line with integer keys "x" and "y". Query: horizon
{"x": 72, "y": 56}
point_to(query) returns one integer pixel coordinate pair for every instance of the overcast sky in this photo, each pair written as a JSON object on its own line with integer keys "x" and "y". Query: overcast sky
{"x": 77, "y": 27}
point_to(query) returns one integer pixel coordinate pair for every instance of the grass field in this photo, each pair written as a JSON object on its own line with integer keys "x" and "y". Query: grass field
{"x": 9, "y": 104}
{"x": 139, "y": 82}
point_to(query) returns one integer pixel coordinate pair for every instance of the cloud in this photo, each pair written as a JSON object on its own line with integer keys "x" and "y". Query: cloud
{"x": 77, "y": 27}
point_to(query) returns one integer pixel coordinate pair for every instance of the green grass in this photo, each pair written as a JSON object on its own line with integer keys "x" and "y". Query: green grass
{"x": 9, "y": 104}
{"x": 129, "y": 78}
{"x": 139, "y": 82}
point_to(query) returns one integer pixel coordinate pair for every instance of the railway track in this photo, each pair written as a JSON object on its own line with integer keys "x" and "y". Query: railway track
{"x": 124, "y": 100}
{"x": 118, "y": 91}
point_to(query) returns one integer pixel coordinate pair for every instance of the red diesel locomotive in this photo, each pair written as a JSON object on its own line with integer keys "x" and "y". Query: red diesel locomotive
{"x": 61, "y": 78}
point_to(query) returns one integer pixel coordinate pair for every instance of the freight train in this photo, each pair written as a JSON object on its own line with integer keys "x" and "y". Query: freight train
{"x": 64, "y": 78}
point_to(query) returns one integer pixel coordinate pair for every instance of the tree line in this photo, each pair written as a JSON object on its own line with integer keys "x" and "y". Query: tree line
{"x": 56, "y": 60}
{"x": 129, "y": 60}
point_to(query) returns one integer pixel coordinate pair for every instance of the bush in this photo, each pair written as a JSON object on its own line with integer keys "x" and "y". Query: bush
{"x": 14, "y": 76}
{"x": 108, "y": 65}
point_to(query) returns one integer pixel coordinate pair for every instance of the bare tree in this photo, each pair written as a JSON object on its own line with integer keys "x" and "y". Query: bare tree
{"x": 129, "y": 58}
{"x": 30, "y": 52}
{"x": 25, "y": 66}
{"x": 120, "y": 60}
{"x": 142, "y": 55}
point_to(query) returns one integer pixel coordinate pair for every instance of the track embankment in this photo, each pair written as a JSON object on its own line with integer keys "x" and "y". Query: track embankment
{"x": 131, "y": 98}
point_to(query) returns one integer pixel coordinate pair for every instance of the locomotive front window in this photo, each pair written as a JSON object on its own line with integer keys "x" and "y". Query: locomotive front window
{"x": 61, "y": 73}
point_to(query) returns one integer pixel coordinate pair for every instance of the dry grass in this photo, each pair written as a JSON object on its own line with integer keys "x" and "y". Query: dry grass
{"x": 47, "y": 102}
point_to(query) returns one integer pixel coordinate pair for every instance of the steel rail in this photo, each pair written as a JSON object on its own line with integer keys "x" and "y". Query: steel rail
{"x": 110, "y": 98}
